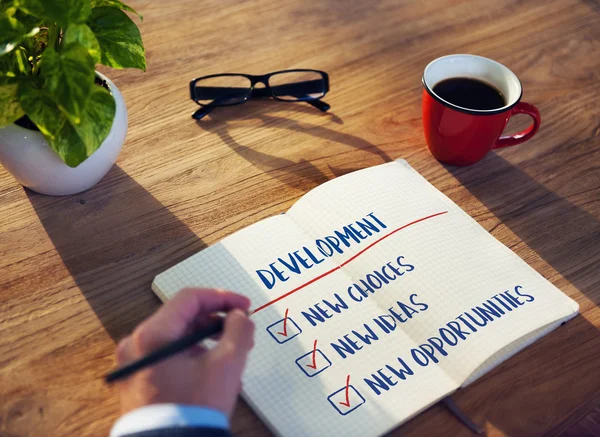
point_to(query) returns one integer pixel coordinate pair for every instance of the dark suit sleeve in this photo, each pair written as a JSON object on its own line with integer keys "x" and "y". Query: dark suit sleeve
{"x": 182, "y": 432}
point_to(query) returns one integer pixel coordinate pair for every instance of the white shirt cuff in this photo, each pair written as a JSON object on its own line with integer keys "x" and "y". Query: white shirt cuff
{"x": 168, "y": 416}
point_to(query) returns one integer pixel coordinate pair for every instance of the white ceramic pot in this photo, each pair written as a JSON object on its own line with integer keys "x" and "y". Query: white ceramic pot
{"x": 28, "y": 157}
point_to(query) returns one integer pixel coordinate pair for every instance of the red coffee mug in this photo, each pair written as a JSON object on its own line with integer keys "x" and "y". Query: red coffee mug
{"x": 462, "y": 136}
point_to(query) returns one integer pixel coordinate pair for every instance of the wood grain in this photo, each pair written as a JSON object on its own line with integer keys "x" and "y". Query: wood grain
{"x": 76, "y": 271}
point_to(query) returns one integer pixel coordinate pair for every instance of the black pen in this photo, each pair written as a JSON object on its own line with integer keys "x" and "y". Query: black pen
{"x": 166, "y": 351}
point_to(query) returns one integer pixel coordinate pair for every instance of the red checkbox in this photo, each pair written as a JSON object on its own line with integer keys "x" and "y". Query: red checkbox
{"x": 314, "y": 357}
{"x": 347, "y": 402}
{"x": 285, "y": 318}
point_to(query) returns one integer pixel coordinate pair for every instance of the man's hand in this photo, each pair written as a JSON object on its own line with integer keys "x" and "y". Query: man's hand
{"x": 198, "y": 376}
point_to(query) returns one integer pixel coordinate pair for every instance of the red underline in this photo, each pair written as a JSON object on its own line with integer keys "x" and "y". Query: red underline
{"x": 345, "y": 262}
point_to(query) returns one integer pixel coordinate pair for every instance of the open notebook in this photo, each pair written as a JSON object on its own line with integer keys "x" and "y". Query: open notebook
{"x": 374, "y": 297}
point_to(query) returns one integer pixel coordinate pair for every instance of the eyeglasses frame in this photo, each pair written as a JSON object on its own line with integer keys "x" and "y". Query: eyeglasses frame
{"x": 264, "y": 79}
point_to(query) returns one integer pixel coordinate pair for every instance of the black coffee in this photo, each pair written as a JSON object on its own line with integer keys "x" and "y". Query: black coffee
{"x": 470, "y": 93}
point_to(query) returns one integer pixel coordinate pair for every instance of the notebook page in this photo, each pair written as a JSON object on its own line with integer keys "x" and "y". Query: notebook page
{"x": 471, "y": 296}
{"x": 512, "y": 349}
{"x": 301, "y": 388}
{"x": 296, "y": 399}
{"x": 222, "y": 265}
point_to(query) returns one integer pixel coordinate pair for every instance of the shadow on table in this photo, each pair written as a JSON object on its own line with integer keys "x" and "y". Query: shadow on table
{"x": 114, "y": 239}
{"x": 593, "y": 4}
{"x": 565, "y": 235}
{"x": 301, "y": 175}
{"x": 568, "y": 238}
{"x": 551, "y": 381}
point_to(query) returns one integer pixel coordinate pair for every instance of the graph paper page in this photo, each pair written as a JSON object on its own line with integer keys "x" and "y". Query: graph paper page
{"x": 455, "y": 290}
{"x": 295, "y": 379}
{"x": 374, "y": 297}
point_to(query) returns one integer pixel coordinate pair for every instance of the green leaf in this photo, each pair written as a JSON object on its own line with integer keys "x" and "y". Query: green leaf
{"x": 73, "y": 143}
{"x": 11, "y": 107}
{"x": 63, "y": 12}
{"x": 40, "y": 108}
{"x": 83, "y": 35}
{"x": 12, "y": 32}
{"x": 97, "y": 119}
{"x": 8, "y": 7}
{"x": 119, "y": 38}
{"x": 69, "y": 77}
{"x": 15, "y": 64}
{"x": 115, "y": 4}
{"x": 29, "y": 21}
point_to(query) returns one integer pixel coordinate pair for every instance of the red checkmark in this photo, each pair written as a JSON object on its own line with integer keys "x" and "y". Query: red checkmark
{"x": 347, "y": 403}
{"x": 314, "y": 357}
{"x": 284, "y": 333}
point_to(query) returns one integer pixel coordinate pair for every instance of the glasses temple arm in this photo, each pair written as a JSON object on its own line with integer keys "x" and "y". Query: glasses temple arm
{"x": 319, "y": 104}
{"x": 202, "y": 112}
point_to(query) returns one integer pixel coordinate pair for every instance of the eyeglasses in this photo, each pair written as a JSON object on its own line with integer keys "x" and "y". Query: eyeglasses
{"x": 233, "y": 89}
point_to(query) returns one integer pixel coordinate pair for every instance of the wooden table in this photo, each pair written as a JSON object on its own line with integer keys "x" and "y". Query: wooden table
{"x": 76, "y": 271}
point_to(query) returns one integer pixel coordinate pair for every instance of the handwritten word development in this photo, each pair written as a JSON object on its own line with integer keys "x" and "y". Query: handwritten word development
{"x": 298, "y": 261}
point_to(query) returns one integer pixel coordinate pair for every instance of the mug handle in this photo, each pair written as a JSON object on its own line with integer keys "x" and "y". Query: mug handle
{"x": 524, "y": 135}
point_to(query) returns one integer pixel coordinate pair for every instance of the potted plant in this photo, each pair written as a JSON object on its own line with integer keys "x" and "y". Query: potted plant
{"x": 62, "y": 124}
